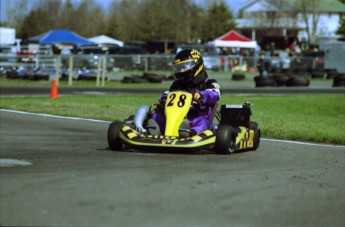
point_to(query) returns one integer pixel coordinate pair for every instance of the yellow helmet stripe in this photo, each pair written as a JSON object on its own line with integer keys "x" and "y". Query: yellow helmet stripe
{"x": 199, "y": 70}
{"x": 177, "y": 62}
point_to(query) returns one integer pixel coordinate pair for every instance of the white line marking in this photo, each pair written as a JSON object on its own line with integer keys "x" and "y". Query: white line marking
{"x": 54, "y": 116}
{"x": 302, "y": 143}
{"x": 102, "y": 121}
{"x": 12, "y": 162}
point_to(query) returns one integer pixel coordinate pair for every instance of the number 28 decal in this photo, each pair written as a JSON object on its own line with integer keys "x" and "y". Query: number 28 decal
{"x": 180, "y": 101}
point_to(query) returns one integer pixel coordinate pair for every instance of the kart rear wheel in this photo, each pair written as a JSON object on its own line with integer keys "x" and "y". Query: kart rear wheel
{"x": 114, "y": 140}
{"x": 257, "y": 134}
{"x": 225, "y": 139}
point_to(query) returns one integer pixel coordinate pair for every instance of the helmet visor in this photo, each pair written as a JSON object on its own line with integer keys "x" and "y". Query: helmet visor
{"x": 183, "y": 66}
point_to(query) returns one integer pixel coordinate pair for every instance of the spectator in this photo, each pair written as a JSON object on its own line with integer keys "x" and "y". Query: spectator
{"x": 295, "y": 62}
{"x": 304, "y": 45}
{"x": 233, "y": 64}
{"x": 263, "y": 65}
{"x": 272, "y": 49}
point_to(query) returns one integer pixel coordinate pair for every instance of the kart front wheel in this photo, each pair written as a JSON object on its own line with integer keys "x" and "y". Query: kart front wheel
{"x": 225, "y": 139}
{"x": 114, "y": 140}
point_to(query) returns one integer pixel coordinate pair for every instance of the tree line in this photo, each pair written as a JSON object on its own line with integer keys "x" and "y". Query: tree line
{"x": 181, "y": 21}
{"x": 174, "y": 20}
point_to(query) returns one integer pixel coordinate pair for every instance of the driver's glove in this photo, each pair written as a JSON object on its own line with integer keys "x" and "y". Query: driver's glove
{"x": 198, "y": 97}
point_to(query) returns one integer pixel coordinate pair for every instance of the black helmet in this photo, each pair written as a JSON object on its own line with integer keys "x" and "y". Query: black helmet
{"x": 188, "y": 64}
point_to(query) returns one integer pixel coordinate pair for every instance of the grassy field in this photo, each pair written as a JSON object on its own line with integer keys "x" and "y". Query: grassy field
{"x": 315, "y": 118}
{"x": 115, "y": 80}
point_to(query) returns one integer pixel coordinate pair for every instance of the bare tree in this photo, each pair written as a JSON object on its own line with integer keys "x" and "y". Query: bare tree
{"x": 311, "y": 12}
{"x": 16, "y": 12}
{"x": 341, "y": 28}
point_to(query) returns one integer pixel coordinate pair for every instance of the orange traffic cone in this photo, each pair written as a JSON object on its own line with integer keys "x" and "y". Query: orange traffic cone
{"x": 54, "y": 90}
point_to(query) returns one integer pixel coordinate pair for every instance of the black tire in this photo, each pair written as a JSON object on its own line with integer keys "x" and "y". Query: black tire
{"x": 309, "y": 69}
{"x": 139, "y": 80}
{"x": 238, "y": 76}
{"x": 317, "y": 74}
{"x": 126, "y": 81}
{"x": 284, "y": 70}
{"x": 330, "y": 70}
{"x": 170, "y": 77}
{"x": 12, "y": 75}
{"x": 340, "y": 77}
{"x": 298, "y": 81}
{"x": 331, "y": 75}
{"x": 339, "y": 81}
{"x": 128, "y": 77}
{"x": 281, "y": 79}
{"x": 31, "y": 77}
{"x": 264, "y": 81}
{"x": 146, "y": 75}
{"x": 132, "y": 79}
{"x": 225, "y": 139}
{"x": 298, "y": 70}
{"x": 155, "y": 78}
{"x": 114, "y": 140}
{"x": 257, "y": 135}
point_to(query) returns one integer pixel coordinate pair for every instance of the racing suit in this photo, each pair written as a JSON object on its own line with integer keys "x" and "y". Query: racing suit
{"x": 199, "y": 112}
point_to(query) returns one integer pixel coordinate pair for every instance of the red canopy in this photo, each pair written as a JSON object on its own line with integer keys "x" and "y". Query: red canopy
{"x": 234, "y": 36}
{"x": 234, "y": 39}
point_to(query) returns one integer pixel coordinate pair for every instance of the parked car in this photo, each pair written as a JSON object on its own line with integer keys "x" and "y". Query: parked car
{"x": 129, "y": 58}
{"x": 212, "y": 61}
{"x": 160, "y": 62}
{"x": 281, "y": 60}
{"x": 313, "y": 59}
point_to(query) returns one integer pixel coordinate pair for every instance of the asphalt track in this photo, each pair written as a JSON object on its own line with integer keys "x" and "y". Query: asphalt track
{"x": 24, "y": 90}
{"x": 58, "y": 172}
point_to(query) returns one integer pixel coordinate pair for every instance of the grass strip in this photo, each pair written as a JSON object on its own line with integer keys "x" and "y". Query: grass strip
{"x": 314, "y": 118}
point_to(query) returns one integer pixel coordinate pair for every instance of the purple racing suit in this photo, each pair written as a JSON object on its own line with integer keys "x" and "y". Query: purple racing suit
{"x": 199, "y": 112}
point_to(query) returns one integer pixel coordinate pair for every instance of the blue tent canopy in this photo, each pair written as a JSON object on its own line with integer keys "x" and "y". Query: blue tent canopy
{"x": 60, "y": 36}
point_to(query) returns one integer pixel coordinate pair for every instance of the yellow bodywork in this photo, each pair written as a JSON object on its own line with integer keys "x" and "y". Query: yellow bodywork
{"x": 245, "y": 138}
{"x": 176, "y": 109}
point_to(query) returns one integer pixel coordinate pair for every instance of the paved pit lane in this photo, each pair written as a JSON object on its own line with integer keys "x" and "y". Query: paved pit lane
{"x": 74, "y": 180}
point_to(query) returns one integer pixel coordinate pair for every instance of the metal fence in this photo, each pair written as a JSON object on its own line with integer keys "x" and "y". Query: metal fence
{"x": 29, "y": 65}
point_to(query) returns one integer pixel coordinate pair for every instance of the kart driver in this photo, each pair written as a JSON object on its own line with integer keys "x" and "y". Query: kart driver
{"x": 191, "y": 77}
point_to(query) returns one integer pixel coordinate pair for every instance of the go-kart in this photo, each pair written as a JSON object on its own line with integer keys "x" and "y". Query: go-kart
{"x": 235, "y": 131}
